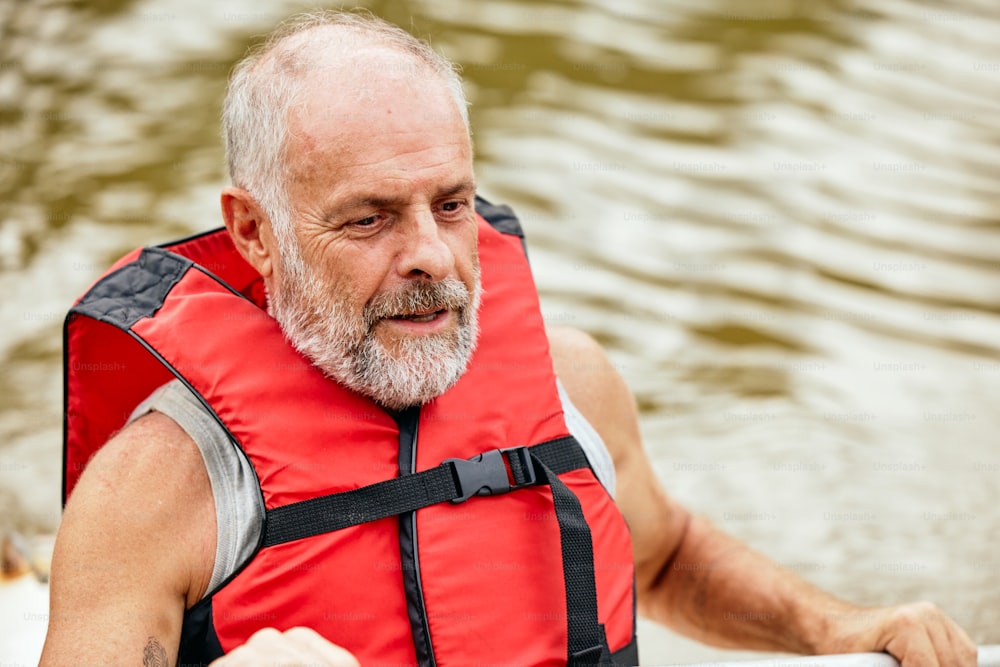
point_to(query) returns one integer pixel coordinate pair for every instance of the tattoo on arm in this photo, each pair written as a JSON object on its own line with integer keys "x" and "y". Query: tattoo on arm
{"x": 154, "y": 655}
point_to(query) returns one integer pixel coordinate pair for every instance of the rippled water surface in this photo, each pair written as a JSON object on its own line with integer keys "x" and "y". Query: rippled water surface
{"x": 780, "y": 217}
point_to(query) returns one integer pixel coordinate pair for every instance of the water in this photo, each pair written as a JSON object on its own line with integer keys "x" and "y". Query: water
{"x": 779, "y": 217}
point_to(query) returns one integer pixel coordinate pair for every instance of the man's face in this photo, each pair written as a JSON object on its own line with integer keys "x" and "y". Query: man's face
{"x": 380, "y": 288}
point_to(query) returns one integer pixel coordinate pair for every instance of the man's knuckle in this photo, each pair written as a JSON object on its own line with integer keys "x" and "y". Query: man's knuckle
{"x": 264, "y": 635}
{"x": 917, "y": 614}
{"x": 298, "y": 632}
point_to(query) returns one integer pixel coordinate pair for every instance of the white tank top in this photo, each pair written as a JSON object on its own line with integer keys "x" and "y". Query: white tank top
{"x": 239, "y": 510}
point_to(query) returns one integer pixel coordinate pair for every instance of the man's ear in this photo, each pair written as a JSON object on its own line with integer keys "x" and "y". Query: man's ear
{"x": 250, "y": 229}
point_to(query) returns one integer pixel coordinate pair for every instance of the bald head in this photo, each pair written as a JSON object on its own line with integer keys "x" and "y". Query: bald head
{"x": 353, "y": 56}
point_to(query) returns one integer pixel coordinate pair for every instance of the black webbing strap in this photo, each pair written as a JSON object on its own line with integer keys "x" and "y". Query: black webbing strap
{"x": 454, "y": 480}
{"x": 457, "y": 480}
{"x": 587, "y": 644}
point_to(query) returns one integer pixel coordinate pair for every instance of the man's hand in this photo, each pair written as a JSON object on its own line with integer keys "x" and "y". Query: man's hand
{"x": 918, "y": 635}
{"x": 296, "y": 647}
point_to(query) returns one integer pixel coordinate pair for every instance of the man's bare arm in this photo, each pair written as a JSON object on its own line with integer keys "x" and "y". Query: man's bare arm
{"x": 136, "y": 547}
{"x": 706, "y": 584}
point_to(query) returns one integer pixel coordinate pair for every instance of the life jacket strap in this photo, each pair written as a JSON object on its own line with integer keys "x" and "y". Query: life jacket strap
{"x": 486, "y": 474}
{"x": 455, "y": 480}
{"x": 586, "y": 641}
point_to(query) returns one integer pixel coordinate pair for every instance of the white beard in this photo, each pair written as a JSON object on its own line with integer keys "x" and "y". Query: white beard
{"x": 347, "y": 349}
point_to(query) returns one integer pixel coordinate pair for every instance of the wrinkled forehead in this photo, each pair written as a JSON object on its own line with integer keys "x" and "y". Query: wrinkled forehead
{"x": 374, "y": 94}
{"x": 367, "y": 85}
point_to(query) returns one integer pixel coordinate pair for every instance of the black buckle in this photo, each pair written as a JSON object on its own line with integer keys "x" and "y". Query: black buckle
{"x": 486, "y": 474}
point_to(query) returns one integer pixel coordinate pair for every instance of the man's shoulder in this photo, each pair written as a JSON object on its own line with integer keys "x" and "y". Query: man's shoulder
{"x": 151, "y": 470}
{"x": 595, "y": 386}
{"x": 585, "y": 370}
{"x": 152, "y": 444}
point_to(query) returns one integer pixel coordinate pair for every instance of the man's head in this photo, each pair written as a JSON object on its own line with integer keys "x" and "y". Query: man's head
{"x": 352, "y": 194}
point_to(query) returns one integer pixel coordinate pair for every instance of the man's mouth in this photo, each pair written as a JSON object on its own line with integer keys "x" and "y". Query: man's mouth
{"x": 427, "y": 316}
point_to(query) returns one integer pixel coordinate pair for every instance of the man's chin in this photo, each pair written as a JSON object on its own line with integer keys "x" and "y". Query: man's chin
{"x": 405, "y": 386}
{"x": 413, "y": 371}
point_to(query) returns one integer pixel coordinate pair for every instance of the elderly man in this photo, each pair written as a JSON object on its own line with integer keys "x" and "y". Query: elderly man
{"x": 357, "y": 446}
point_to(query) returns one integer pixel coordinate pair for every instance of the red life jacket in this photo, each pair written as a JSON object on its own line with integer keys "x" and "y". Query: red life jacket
{"x": 360, "y": 541}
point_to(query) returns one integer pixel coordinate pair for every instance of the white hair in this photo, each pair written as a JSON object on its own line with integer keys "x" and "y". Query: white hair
{"x": 268, "y": 81}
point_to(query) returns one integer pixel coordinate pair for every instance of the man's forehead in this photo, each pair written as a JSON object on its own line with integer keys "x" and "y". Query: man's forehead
{"x": 374, "y": 90}
{"x": 364, "y": 120}
{"x": 385, "y": 142}
{"x": 363, "y": 194}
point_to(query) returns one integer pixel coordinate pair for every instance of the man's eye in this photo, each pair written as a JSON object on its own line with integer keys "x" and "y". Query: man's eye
{"x": 365, "y": 222}
{"x": 452, "y": 206}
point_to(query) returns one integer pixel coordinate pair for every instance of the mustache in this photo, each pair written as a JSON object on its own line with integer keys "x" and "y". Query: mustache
{"x": 418, "y": 297}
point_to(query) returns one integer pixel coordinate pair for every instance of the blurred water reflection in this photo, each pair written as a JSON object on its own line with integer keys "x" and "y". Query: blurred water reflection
{"x": 779, "y": 216}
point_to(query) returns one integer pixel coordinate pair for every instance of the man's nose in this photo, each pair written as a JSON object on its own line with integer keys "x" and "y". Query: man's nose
{"x": 424, "y": 253}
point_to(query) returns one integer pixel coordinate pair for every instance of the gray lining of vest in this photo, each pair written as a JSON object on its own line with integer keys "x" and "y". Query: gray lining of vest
{"x": 238, "y": 511}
